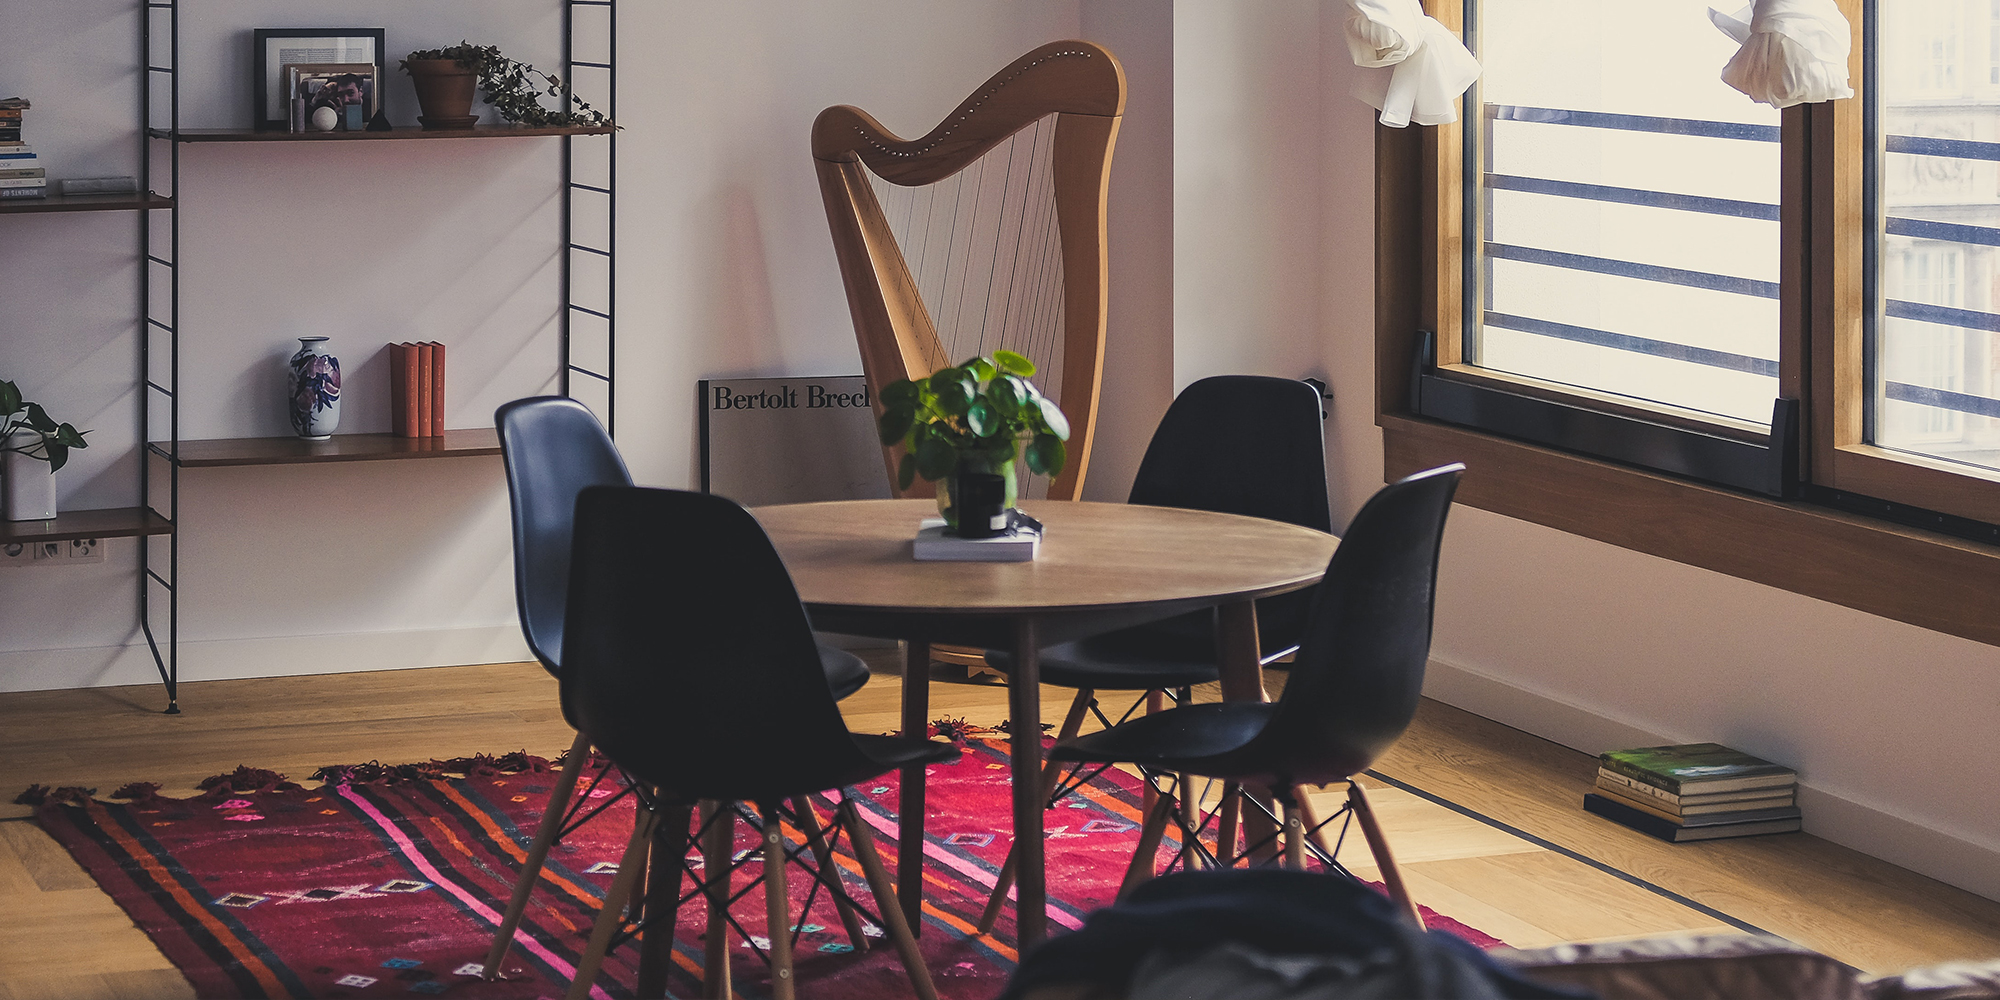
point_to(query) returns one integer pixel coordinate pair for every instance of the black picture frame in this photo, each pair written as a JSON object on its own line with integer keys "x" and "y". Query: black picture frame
{"x": 271, "y": 114}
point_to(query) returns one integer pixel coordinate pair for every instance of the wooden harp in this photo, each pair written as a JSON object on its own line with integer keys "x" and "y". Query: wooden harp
{"x": 986, "y": 232}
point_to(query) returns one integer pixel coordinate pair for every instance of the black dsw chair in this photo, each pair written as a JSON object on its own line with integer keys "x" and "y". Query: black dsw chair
{"x": 1352, "y": 690}
{"x": 1235, "y": 444}
{"x": 689, "y": 662}
{"x": 554, "y": 448}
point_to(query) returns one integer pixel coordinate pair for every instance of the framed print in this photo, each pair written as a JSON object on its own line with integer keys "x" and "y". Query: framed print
{"x": 331, "y": 85}
{"x": 274, "y": 48}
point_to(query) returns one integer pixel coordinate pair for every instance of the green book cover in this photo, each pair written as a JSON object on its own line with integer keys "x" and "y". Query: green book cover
{"x": 1707, "y": 767}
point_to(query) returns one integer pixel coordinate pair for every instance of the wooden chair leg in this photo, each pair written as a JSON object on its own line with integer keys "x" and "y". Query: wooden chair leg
{"x": 777, "y": 905}
{"x": 1156, "y": 701}
{"x": 1051, "y": 772}
{"x": 885, "y": 901}
{"x": 612, "y": 913}
{"x": 666, "y": 856}
{"x": 1392, "y": 876}
{"x": 538, "y": 852}
{"x": 715, "y": 851}
{"x": 1226, "y": 824}
{"x": 1295, "y": 831}
{"x": 816, "y": 840}
{"x": 1187, "y": 817}
{"x": 1147, "y": 855}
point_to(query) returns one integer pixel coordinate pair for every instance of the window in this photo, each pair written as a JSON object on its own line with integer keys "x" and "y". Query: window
{"x": 1665, "y": 316}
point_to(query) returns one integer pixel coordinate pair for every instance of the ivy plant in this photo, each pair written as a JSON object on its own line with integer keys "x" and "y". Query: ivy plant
{"x": 514, "y": 88}
{"x": 978, "y": 412}
{"x": 51, "y": 441}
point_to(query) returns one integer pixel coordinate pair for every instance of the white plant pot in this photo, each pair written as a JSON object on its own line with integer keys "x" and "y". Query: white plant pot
{"x": 27, "y": 486}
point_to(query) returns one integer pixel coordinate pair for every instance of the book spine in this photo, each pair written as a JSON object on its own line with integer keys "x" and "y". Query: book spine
{"x": 1619, "y": 813}
{"x": 1639, "y": 774}
{"x": 1647, "y": 805}
{"x": 38, "y": 191}
{"x": 1606, "y": 775}
{"x": 437, "y": 388}
{"x": 425, "y": 359}
{"x": 399, "y": 392}
{"x": 23, "y": 182}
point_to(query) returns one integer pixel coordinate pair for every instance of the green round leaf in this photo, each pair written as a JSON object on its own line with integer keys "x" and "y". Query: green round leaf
{"x": 936, "y": 458}
{"x": 981, "y": 419}
{"x": 894, "y": 424}
{"x": 906, "y": 471}
{"x": 1046, "y": 455}
{"x": 901, "y": 392}
{"x": 1052, "y": 415}
{"x": 1011, "y": 362}
{"x": 954, "y": 389}
{"x": 1009, "y": 393}
{"x": 980, "y": 368}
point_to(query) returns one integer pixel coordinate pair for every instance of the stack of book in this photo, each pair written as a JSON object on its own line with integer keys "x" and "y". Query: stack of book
{"x": 1697, "y": 791}
{"x": 20, "y": 175}
{"x": 416, "y": 389}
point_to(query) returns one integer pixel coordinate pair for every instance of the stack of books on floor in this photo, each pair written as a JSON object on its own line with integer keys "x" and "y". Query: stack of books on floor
{"x": 1696, "y": 791}
{"x": 416, "y": 390}
{"x": 20, "y": 175}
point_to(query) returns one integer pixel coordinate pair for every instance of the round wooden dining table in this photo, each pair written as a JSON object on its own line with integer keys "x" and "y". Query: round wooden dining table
{"x": 1101, "y": 567}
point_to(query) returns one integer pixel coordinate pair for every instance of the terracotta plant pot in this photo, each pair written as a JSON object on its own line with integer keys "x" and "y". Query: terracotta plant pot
{"x": 444, "y": 93}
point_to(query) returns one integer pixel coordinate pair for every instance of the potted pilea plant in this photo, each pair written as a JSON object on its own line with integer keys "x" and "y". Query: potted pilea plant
{"x": 445, "y": 79}
{"x": 32, "y": 447}
{"x": 964, "y": 426}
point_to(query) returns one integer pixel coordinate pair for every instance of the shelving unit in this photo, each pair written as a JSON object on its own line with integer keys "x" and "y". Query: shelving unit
{"x": 85, "y": 203}
{"x": 160, "y": 341}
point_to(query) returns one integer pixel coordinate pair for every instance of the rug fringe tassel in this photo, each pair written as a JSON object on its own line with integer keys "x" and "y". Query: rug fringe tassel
{"x": 40, "y": 795}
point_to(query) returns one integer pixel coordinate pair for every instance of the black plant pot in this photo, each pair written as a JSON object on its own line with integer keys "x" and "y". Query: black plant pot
{"x": 979, "y": 504}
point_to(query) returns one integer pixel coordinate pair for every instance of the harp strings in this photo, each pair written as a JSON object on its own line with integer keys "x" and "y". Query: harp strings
{"x": 983, "y": 248}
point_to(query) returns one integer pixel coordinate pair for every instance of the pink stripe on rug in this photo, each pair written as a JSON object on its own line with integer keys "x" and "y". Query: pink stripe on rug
{"x": 416, "y": 858}
{"x": 978, "y": 876}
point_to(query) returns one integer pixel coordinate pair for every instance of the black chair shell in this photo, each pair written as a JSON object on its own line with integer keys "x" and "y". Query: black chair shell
{"x": 1234, "y": 444}
{"x": 1359, "y": 673}
{"x": 689, "y": 660}
{"x": 554, "y": 448}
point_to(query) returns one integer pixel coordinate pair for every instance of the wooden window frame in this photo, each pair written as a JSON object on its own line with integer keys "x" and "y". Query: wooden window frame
{"x": 1925, "y": 578}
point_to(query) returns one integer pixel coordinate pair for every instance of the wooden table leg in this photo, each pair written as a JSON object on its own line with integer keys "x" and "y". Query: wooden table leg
{"x": 1024, "y": 722}
{"x": 910, "y": 796}
{"x": 1243, "y": 680}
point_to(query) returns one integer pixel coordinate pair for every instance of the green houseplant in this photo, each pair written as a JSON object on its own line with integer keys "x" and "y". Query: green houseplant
{"x": 973, "y": 418}
{"x": 446, "y": 77}
{"x": 30, "y": 439}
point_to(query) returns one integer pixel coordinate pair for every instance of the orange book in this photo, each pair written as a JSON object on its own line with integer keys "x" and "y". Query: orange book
{"x": 399, "y": 392}
{"x": 437, "y": 388}
{"x": 426, "y": 363}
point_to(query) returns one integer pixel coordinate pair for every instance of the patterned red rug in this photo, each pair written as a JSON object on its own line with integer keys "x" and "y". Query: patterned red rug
{"x": 389, "y": 881}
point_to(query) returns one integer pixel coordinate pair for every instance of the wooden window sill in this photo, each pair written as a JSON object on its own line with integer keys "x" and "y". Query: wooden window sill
{"x": 1930, "y": 580}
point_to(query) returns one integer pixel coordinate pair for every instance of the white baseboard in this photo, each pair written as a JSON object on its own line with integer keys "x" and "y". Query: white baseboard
{"x": 280, "y": 656}
{"x": 1925, "y": 850}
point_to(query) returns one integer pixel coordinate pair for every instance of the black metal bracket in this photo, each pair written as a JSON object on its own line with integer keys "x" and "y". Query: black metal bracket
{"x": 1770, "y": 467}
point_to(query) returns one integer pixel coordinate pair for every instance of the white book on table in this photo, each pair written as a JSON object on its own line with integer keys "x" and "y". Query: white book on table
{"x": 933, "y": 545}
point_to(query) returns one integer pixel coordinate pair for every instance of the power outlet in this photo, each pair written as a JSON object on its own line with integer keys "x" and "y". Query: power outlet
{"x": 63, "y": 553}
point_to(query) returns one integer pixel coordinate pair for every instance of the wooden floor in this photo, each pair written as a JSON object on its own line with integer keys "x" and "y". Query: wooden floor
{"x": 1564, "y": 876}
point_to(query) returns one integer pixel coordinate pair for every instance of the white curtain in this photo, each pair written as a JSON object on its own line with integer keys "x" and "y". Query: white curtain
{"x": 1794, "y": 51}
{"x": 1412, "y": 66}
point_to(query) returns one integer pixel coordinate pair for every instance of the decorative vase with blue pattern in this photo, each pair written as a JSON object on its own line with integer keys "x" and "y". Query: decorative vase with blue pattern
{"x": 312, "y": 387}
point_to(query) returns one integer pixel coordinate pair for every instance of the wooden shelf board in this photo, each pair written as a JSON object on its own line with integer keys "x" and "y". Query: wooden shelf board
{"x": 110, "y": 522}
{"x": 400, "y": 132}
{"x": 84, "y": 203}
{"x": 340, "y": 448}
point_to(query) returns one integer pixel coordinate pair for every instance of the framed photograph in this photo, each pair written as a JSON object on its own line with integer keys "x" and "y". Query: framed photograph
{"x": 332, "y": 85}
{"x": 275, "y": 48}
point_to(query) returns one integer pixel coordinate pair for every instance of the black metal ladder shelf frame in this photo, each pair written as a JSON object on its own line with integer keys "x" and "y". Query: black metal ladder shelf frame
{"x": 162, "y": 570}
